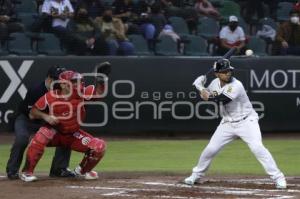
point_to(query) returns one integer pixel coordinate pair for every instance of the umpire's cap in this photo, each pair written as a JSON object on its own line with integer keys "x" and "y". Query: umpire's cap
{"x": 222, "y": 65}
{"x": 55, "y": 71}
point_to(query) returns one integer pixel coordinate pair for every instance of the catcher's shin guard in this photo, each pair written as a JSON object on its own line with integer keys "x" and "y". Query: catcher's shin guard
{"x": 93, "y": 155}
{"x": 36, "y": 148}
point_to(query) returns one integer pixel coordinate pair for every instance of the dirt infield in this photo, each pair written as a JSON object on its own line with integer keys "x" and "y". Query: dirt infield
{"x": 146, "y": 185}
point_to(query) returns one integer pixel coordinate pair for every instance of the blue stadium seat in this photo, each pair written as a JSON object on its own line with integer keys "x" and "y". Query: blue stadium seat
{"x": 49, "y": 44}
{"x": 20, "y": 44}
{"x": 283, "y": 11}
{"x": 208, "y": 28}
{"x": 197, "y": 46}
{"x": 258, "y": 46}
{"x": 27, "y": 20}
{"x": 140, "y": 45}
{"x": 179, "y": 25}
{"x": 26, "y": 6}
{"x": 229, "y": 8}
{"x": 166, "y": 47}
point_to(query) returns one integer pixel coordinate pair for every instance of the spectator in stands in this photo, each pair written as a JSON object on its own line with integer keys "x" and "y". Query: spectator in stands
{"x": 84, "y": 38}
{"x": 288, "y": 35}
{"x": 144, "y": 9}
{"x": 204, "y": 7}
{"x": 39, "y": 4}
{"x": 297, "y": 7}
{"x": 144, "y": 6}
{"x": 124, "y": 9}
{"x": 273, "y": 5}
{"x": 171, "y": 3}
{"x": 95, "y": 8}
{"x": 253, "y": 9}
{"x": 74, "y": 3}
{"x": 61, "y": 12}
{"x": 232, "y": 35}
{"x": 176, "y": 8}
{"x": 157, "y": 18}
{"x": 44, "y": 21}
{"x": 169, "y": 31}
{"x": 113, "y": 30}
{"x": 7, "y": 23}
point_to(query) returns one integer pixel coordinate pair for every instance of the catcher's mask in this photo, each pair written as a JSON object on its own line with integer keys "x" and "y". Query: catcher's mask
{"x": 72, "y": 77}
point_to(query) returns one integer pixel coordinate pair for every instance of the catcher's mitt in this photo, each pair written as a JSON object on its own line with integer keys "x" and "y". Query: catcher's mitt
{"x": 104, "y": 68}
{"x": 102, "y": 71}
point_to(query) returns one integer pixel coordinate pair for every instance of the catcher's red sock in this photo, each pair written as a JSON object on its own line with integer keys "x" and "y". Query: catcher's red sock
{"x": 90, "y": 160}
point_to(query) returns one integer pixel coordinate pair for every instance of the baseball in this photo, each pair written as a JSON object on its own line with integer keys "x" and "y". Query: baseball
{"x": 249, "y": 52}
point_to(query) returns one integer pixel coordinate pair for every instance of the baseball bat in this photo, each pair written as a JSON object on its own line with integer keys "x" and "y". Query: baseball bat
{"x": 227, "y": 55}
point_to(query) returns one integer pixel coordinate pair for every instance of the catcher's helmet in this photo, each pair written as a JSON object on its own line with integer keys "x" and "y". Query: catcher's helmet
{"x": 55, "y": 71}
{"x": 70, "y": 75}
{"x": 222, "y": 65}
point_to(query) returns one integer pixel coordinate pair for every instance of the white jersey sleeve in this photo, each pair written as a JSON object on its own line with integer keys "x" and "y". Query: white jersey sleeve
{"x": 241, "y": 33}
{"x": 233, "y": 90}
{"x": 222, "y": 33}
{"x": 46, "y": 7}
{"x": 69, "y": 6}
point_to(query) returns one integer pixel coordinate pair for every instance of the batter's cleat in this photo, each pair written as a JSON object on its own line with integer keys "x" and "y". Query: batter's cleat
{"x": 92, "y": 175}
{"x": 194, "y": 178}
{"x": 28, "y": 177}
{"x": 63, "y": 173}
{"x": 280, "y": 183}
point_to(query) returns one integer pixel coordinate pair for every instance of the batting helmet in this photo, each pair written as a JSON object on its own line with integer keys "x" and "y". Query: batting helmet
{"x": 222, "y": 65}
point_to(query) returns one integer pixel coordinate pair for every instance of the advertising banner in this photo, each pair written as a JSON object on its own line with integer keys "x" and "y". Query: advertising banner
{"x": 155, "y": 94}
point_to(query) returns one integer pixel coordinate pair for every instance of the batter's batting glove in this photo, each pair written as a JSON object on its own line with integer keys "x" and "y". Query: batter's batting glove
{"x": 199, "y": 82}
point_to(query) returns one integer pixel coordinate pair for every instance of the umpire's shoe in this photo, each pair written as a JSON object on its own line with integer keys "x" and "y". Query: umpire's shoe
{"x": 12, "y": 176}
{"x": 64, "y": 173}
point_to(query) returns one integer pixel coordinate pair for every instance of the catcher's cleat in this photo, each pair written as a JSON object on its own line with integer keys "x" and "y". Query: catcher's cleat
{"x": 91, "y": 175}
{"x": 194, "y": 178}
{"x": 28, "y": 177}
{"x": 280, "y": 183}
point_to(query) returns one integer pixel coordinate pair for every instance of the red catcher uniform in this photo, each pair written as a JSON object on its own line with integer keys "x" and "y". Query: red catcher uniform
{"x": 69, "y": 110}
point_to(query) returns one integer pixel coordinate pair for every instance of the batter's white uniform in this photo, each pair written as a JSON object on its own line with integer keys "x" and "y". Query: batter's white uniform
{"x": 239, "y": 120}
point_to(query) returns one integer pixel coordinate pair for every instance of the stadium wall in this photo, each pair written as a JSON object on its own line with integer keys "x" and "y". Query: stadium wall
{"x": 155, "y": 94}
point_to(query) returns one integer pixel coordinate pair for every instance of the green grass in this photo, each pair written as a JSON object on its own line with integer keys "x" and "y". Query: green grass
{"x": 180, "y": 156}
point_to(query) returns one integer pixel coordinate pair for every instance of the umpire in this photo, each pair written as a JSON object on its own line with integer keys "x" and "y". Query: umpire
{"x": 23, "y": 126}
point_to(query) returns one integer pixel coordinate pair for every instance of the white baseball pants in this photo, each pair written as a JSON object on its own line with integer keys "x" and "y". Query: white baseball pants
{"x": 248, "y": 130}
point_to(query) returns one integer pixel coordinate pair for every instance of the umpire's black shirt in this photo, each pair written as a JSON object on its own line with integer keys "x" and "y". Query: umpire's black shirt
{"x": 33, "y": 94}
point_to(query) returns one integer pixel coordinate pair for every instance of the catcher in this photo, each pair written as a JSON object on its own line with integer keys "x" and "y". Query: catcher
{"x": 62, "y": 110}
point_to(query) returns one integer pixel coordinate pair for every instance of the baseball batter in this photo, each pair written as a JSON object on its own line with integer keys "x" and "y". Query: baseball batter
{"x": 239, "y": 120}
